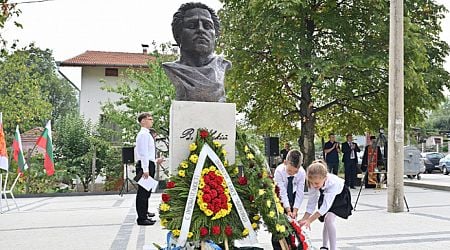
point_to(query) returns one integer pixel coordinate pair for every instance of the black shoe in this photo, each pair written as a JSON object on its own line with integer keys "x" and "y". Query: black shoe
{"x": 150, "y": 214}
{"x": 145, "y": 222}
{"x": 352, "y": 187}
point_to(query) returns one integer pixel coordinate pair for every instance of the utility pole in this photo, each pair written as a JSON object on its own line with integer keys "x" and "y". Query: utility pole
{"x": 94, "y": 159}
{"x": 396, "y": 110}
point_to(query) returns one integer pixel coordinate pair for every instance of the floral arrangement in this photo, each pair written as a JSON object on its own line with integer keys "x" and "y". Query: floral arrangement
{"x": 215, "y": 216}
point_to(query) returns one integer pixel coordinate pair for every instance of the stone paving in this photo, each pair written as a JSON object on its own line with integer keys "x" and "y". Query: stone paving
{"x": 108, "y": 222}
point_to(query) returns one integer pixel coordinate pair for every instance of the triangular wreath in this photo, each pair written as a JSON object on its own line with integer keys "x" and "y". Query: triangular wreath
{"x": 214, "y": 215}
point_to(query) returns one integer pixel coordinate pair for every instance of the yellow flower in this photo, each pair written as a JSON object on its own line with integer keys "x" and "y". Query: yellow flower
{"x": 181, "y": 173}
{"x": 218, "y": 173}
{"x": 217, "y": 144}
{"x": 256, "y": 217}
{"x": 250, "y": 156}
{"x": 245, "y": 232}
{"x": 224, "y": 152}
{"x": 193, "y": 158}
{"x": 271, "y": 214}
{"x": 164, "y": 222}
{"x": 208, "y": 212}
{"x": 205, "y": 171}
{"x": 176, "y": 232}
{"x": 268, "y": 203}
{"x": 280, "y": 228}
{"x": 199, "y": 193}
{"x": 261, "y": 192}
{"x": 190, "y": 234}
{"x": 192, "y": 147}
{"x": 264, "y": 174}
{"x": 204, "y": 206}
{"x": 212, "y": 168}
{"x": 254, "y": 225}
{"x": 280, "y": 208}
{"x": 201, "y": 184}
{"x": 184, "y": 164}
{"x": 225, "y": 163}
{"x": 164, "y": 207}
{"x": 246, "y": 149}
{"x": 236, "y": 171}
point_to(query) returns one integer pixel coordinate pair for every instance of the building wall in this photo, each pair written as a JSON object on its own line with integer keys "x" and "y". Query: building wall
{"x": 92, "y": 97}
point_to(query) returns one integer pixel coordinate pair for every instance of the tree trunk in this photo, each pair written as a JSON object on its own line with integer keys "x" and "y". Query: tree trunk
{"x": 308, "y": 122}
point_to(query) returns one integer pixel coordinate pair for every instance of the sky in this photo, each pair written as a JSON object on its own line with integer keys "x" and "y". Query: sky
{"x": 70, "y": 27}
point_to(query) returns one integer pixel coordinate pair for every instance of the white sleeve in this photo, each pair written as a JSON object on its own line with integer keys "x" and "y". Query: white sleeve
{"x": 282, "y": 186}
{"x": 142, "y": 149}
{"x": 312, "y": 200}
{"x": 300, "y": 191}
{"x": 330, "y": 193}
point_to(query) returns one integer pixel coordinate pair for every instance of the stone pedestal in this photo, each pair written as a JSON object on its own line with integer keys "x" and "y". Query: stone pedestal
{"x": 186, "y": 117}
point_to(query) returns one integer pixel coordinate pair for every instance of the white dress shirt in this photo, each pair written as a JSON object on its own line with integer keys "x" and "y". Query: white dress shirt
{"x": 145, "y": 148}
{"x": 281, "y": 180}
{"x": 332, "y": 187}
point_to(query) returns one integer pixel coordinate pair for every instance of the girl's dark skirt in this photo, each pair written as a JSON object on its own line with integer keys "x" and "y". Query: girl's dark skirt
{"x": 342, "y": 204}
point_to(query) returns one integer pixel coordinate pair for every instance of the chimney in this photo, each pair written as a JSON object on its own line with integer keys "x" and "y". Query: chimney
{"x": 144, "y": 49}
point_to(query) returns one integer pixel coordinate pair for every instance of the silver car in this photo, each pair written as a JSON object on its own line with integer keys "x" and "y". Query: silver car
{"x": 444, "y": 164}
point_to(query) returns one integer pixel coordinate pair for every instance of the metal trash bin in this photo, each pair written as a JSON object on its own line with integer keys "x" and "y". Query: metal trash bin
{"x": 413, "y": 164}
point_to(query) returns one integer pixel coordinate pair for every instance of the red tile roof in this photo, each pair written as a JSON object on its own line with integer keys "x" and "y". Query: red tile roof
{"x": 111, "y": 59}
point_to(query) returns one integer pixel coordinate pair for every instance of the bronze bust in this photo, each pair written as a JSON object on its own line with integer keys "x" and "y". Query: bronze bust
{"x": 199, "y": 74}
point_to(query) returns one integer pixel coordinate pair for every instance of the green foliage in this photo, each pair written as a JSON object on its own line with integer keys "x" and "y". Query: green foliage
{"x": 75, "y": 144}
{"x": 323, "y": 65}
{"x": 439, "y": 119}
{"x": 144, "y": 91}
{"x": 31, "y": 91}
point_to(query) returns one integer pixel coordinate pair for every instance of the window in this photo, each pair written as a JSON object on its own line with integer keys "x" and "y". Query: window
{"x": 111, "y": 72}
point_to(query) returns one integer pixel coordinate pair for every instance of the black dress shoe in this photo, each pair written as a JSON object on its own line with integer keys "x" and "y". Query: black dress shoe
{"x": 150, "y": 214}
{"x": 145, "y": 222}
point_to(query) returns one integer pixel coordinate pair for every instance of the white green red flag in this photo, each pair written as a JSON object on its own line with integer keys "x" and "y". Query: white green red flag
{"x": 3, "y": 152}
{"x": 18, "y": 152}
{"x": 45, "y": 142}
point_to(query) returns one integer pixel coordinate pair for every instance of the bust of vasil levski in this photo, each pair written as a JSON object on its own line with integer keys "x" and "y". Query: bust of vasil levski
{"x": 199, "y": 74}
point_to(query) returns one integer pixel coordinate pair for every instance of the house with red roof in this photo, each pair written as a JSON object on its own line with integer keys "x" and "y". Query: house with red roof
{"x": 102, "y": 68}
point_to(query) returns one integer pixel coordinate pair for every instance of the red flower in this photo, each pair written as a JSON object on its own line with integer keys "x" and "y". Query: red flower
{"x": 165, "y": 197}
{"x": 228, "y": 231}
{"x": 206, "y": 198}
{"x": 213, "y": 193}
{"x": 251, "y": 198}
{"x": 203, "y": 231}
{"x": 242, "y": 181}
{"x": 204, "y": 134}
{"x": 215, "y": 230}
{"x": 170, "y": 184}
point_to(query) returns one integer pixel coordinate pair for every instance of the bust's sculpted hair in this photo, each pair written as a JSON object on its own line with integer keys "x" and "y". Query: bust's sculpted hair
{"x": 177, "y": 22}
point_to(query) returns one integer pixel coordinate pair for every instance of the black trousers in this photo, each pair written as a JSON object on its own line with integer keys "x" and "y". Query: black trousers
{"x": 350, "y": 173}
{"x": 143, "y": 195}
{"x": 333, "y": 167}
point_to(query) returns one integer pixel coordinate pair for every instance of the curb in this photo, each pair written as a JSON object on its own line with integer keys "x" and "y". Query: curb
{"x": 425, "y": 185}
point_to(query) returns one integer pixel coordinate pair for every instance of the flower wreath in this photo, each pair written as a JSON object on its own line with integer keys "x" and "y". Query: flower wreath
{"x": 215, "y": 216}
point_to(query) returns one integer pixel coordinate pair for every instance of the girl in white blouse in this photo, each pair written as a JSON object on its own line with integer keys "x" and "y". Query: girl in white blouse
{"x": 331, "y": 196}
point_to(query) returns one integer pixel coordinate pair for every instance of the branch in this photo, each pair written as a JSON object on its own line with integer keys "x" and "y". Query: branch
{"x": 343, "y": 101}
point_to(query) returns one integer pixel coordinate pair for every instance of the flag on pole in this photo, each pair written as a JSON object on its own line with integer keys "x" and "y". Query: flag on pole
{"x": 18, "y": 152}
{"x": 45, "y": 142}
{"x": 3, "y": 152}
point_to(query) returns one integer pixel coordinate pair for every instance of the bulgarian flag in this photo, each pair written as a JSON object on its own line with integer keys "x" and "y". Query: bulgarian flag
{"x": 18, "y": 152}
{"x": 45, "y": 142}
{"x": 3, "y": 153}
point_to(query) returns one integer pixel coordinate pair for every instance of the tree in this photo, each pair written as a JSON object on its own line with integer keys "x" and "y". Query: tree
{"x": 31, "y": 90}
{"x": 324, "y": 64}
{"x": 75, "y": 143}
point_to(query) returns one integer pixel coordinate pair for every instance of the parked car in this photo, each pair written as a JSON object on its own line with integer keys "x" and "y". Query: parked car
{"x": 444, "y": 164}
{"x": 431, "y": 160}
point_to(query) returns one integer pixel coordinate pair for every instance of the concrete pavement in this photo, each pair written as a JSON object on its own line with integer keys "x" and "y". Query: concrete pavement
{"x": 108, "y": 222}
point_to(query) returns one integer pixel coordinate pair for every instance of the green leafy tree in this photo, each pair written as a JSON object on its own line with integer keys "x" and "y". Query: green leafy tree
{"x": 323, "y": 65}
{"x": 75, "y": 143}
{"x": 31, "y": 91}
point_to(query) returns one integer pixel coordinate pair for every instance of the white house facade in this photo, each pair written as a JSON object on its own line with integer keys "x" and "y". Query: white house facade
{"x": 99, "y": 69}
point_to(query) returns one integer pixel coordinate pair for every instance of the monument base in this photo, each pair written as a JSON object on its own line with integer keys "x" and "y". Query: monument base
{"x": 186, "y": 117}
